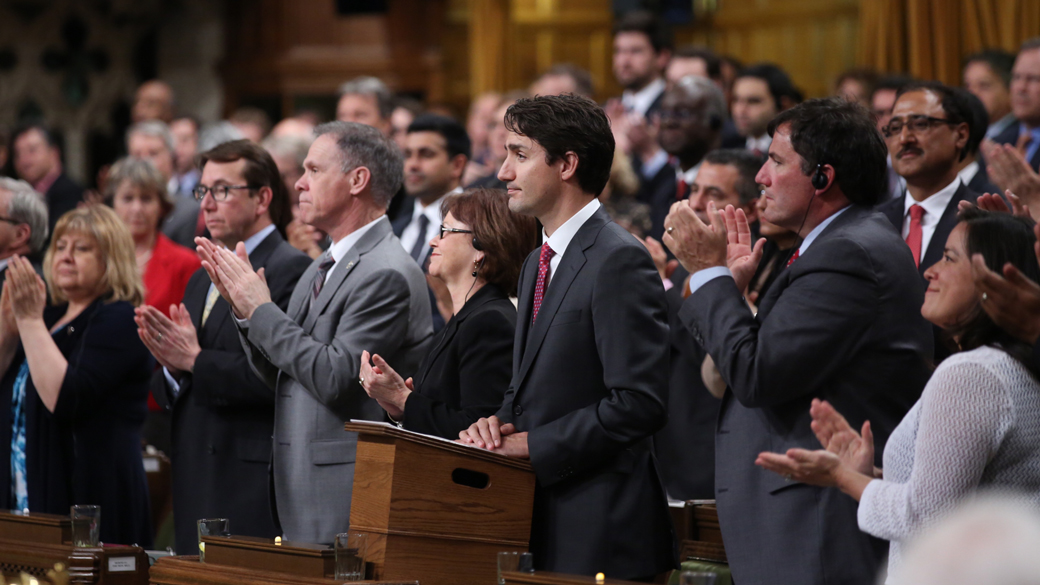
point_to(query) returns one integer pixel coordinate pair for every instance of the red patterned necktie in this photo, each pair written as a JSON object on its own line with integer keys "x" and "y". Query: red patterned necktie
{"x": 793, "y": 257}
{"x": 682, "y": 189}
{"x": 543, "y": 277}
{"x": 915, "y": 235}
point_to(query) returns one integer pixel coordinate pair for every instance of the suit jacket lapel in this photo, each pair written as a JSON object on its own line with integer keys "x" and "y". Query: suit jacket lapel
{"x": 525, "y": 301}
{"x": 942, "y": 229}
{"x": 571, "y": 263}
{"x": 896, "y": 212}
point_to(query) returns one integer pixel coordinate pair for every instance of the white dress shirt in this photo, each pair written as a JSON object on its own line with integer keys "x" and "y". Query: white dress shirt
{"x": 968, "y": 173}
{"x": 761, "y": 143}
{"x": 640, "y": 101}
{"x": 689, "y": 175}
{"x": 339, "y": 249}
{"x": 934, "y": 207}
{"x": 432, "y": 213}
{"x": 562, "y": 237}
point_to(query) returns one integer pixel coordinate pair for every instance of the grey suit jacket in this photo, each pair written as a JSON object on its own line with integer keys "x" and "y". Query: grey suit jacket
{"x": 842, "y": 323}
{"x": 374, "y": 299}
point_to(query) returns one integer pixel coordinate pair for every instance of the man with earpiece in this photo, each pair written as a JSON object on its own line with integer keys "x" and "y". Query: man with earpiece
{"x": 840, "y": 323}
{"x": 689, "y": 125}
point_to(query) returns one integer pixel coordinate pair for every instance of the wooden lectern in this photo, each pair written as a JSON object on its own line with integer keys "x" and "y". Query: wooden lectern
{"x": 545, "y": 578}
{"x": 33, "y": 543}
{"x": 703, "y": 540}
{"x": 189, "y": 571}
{"x": 435, "y": 510}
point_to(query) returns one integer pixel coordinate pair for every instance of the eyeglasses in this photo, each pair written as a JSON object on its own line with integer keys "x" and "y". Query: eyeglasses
{"x": 449, "y": 230}
{"x": 219, "y": 193}
{"x": 11, "y": 221}
{"x": 916, "y": 124}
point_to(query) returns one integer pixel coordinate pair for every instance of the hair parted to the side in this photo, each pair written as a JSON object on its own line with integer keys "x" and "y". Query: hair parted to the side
{"x": 121, "y": 280}
{"x": 506, "y": 238}
{"x": 260, "y": 171}
{"x": 568, "y": 123}
{"x": 364, "y": 146}
{"x": 832, "y": 131}
{"x": 142, "y": 174}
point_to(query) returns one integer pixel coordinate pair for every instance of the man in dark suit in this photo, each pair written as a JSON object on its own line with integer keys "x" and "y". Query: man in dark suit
{"x": 23, "y": 223}
{"x": 928, "y": 136}
{"x": 37, "y": 161}
{"x": 590, "y": 365}
{"x": 222, "y": 413}
{"x": 842, "y": 322}
{"x": 972, "y": 169}
{"x": 642, "y": 48}
{"x": 1025, "y": 104}
{"x": 436, "y": 152}
{"x": 760, "y": 92}
{"x": 690, "y": 121}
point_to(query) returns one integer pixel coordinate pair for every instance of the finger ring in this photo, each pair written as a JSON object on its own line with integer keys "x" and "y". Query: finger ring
{"x": 984, "y": 297}
{"x": 787, "y": 477}
{"x": 361, "y": 381}
{"x": 671, "y": 229}
{"x": 160, "y": 338}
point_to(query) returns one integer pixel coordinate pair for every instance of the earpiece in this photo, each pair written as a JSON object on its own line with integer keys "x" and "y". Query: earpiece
{"x": 819, "y": 178}
{"x": 476, "y": 245}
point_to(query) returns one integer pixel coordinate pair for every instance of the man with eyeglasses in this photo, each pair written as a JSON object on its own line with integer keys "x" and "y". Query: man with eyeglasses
{"x": 222, "y": 413}
{"x": 928, "y": 135}
{"x": 23, "y": 223}
{"x": 689, "y": 125}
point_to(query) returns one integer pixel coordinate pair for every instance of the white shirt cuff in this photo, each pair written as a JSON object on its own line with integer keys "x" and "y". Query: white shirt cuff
{"x": 701, "y": 277}
{"x": 174, "y": 384}
{"x": 655, "y": 164}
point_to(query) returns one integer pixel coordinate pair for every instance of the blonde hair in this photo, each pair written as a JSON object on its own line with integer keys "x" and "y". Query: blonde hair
{"x": 121, "y": 280}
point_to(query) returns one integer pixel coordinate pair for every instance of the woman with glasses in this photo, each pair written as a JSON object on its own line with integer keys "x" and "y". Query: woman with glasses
{"x": 478, "y": 254}
{"x": 75, "y": 378}
{"x": 137, "y": 193}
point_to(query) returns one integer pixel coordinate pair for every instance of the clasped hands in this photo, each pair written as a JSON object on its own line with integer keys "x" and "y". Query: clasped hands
{"x": 726, "y": 241}
{"x": 234, "y": 278}
{"x": 489, "y": 433}
{"x": 384, "y": 385}
{"x": 23, "y": 298}
{"x": 173, "y": 341}
{"x": 846, "y": 454}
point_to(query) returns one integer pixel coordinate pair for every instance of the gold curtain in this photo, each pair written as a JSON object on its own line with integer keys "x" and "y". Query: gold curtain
{"x": 929, "y": 38}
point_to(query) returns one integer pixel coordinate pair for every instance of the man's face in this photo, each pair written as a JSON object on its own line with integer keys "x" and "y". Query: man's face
{"x": 926, "y": 154}
{"x": 428, "y": 170}
{"x": 185, "y": 143}
{"x": 324, "y": 188}
{"x": 1025, "y": 87}
{"x": 532, "y": 184}
{"x": 852, "y": 90}
{"x": 753, "y": 106}
{"x": 154, "y": 101}
{"x": 985, "y": 84}
{"x": 232, "y": 220}
{"x": 363, "y": 109}
{"x": 554, "y": 85}
{"x": 784, "y": 185}
{"x": 717, "y": 183}
{"x": 635, "y": 62}
{"x": 153, "y": 150}
{"x": 679, "y": 67}
{"x": 497, "y": 134}
{"x": 399, "y": 122}
{"x": 881, "y": 104}
{"x": 684, "y": 124}
{"x": 290, "y": 172}
{"x": 33, "y": 157}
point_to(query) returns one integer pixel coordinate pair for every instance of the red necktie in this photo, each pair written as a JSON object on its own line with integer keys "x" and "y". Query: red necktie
{"x": 914, "y": 236}
{"x": 682, "y": 189}
{"x": 543, "y": 277}
{"x": 793, "y": 257}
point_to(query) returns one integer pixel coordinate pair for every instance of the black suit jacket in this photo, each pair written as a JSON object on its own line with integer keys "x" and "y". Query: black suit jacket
{"x": 1010, "y": 136}
{"x": 685, "y": 447}
{"x": 62, "y": 196}
{"x": 894, "y": 210}
{"x": 590, "y": 387}
{"x": 659, "y": 193}
{"x": 842, "y": 323}
{"x": 980, "y": 183}
{"x": 467, "y": 371}
{"x": 398, "y": 225}
{"x": 223, "y": 415}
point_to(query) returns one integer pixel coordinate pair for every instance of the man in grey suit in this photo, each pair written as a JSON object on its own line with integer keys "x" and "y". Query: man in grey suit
{"x": 842, "y": 323}
{"x": 364, "y": 293}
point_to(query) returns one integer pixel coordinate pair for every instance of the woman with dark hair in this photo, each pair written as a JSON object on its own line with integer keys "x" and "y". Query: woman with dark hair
{"x": 478, "y": 255}
{"x": 977, "y": 423}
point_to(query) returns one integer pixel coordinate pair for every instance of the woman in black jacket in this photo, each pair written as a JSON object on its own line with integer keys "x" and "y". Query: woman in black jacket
{"x": 478, "y": 255}
{"x": 76, "y": 378}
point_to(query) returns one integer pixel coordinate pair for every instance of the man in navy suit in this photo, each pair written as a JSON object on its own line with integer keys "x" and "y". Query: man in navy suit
{"x": 590, "y": 366}
{"x": 1025, "y": 103}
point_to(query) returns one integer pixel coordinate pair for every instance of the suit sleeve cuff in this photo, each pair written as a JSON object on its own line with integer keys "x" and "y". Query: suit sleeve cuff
{"x": 701, "y": 277}
{"x": 175, "y": 386}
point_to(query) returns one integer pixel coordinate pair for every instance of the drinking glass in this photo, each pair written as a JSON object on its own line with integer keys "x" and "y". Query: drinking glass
{"x": 351, "y": 548}
{"x": 86, "y": 526}
{"x": 697, "y": 578}
{"x": 212, "y": 527}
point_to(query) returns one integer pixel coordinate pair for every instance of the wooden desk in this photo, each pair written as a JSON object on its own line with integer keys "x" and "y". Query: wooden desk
{"x": 189, "y": 571}
{"x": 703, "y": 541}
{"x": 546, "y": 578}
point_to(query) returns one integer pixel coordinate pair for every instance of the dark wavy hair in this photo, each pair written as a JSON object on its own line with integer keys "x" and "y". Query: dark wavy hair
{"x": 506, "y": 238}
{"x": 1000, "y": 238}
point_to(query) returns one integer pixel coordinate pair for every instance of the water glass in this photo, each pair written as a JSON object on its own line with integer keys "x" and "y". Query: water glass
{"x": 212, "y": 527}
{"x": 697, "y": 578}
{"x": 351, "y": 549}
{"x": 86, "y": 526}
{"x": 514, "y": 561}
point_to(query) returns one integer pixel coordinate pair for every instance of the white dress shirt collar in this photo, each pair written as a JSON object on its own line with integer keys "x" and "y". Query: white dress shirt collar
{"x": 816, "y": 231}
{"x": 968, "y": 173}
{"x": 934, "y": 207}
{"x": 761, "y": 143}
{"x": 339, "y": 249}
{"x": 563, "y": 235}
{"x": 254, "y": 240}
{"x": 640, "y": 101}
{"x": 689, "y": 175}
